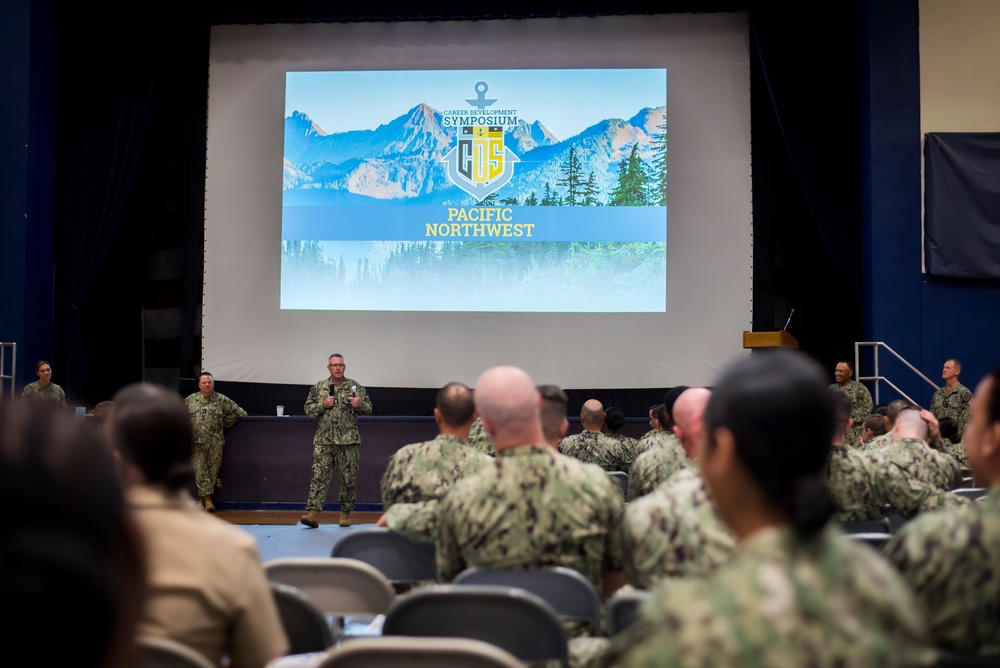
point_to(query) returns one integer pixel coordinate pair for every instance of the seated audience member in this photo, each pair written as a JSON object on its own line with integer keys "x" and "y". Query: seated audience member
{"x": 912, "y": 476}
{"x": 614, "y": 420}
{"x": 850, "y": 476}
{"x": 891, "y": 411}
{"x": 872, "y": 427}
{"x": 951, "y": 441}
{"x": 675, "y": 530}
{"x": 664, "y": 418}
{"x": 207, "y": 588}
{"x": 591, "y": 445}
{"x": 952, "y": 559}
{"x": 553, "y": 413}
{"x": 103, "y": 412}
{"x": 72, "y": 571}
{"x": 480, "y": 440}
{"x": 665, "y": 457}
{"x": 796, "y": 592}
{"x": 419, "y": 474}
{"x": 536, "y": 507}
{"x": 654, "y": 422}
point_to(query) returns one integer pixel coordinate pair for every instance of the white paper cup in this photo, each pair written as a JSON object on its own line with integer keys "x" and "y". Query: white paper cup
{"x": 281, "y": 411}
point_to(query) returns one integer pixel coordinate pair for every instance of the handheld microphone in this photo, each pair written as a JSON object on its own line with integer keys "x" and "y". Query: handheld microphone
{"x": 789, "y": 319}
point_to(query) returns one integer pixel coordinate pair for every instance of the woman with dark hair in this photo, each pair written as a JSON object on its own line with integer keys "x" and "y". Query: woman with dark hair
{"x": 207, "y": 588}
{"x": 614, "y": 420}
{"x": 797, "y": 592}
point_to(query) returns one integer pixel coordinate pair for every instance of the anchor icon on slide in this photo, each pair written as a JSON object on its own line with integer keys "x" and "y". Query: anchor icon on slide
{"x": 480, "y": 102}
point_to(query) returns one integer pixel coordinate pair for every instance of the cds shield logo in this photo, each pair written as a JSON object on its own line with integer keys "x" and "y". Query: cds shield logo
{"x": 480, "y": 163}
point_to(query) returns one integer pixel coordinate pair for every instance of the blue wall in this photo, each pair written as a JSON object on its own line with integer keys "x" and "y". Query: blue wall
{"x": 925, "y": 320}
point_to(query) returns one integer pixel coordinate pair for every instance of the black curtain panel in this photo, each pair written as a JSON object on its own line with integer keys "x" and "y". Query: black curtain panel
{"x": 962, "y": 204}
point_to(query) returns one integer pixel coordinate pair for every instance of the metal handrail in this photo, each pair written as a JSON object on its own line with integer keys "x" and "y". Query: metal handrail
{"x": 880, "y": 378}
{"x": 13, "y": 366}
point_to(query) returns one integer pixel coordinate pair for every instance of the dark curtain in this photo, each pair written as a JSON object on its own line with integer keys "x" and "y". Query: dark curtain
{"x": 105, "y": 102}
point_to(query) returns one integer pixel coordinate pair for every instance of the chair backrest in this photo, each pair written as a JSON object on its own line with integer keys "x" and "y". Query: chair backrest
{"x": 623, "y": 608}
{"x": 396, "y": 556}
{"x": 949, "y": 659}
{"x": 570, "y": 594}
{"x": 305, "y": 624}
{"x": 971, "y": 492}
{"x": 877, "y": 539}
{"x": 338, "y": 587}
{"x": 512, "y": 619}
{"x": 881, "y": 525}
{"x": 157, "y": 652}
{"x": 414, "y": 652}
{"x": 621, "y": 478}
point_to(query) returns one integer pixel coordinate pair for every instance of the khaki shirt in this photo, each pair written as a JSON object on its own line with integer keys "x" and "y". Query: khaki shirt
{"x": 207, "y": 588}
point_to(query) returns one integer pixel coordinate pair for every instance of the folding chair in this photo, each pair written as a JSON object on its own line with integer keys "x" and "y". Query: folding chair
{"x": 621, "y": 478}
{"x": 571, "y": 595}
{"x": 415, "y": 652}
{"x": 881, "y": 525}
{"x": 949, "y": 659}
{"x": 623, "y": 608}
{"x": 305, "y": 624}
{"x": 340, "y": 588}
{"x": 973, "y": 493}
{"x": 876, "y": 539}
{"x": 512, "y": 619}
{"x": 400, "y": 559}
{"x": 158, "y": 652}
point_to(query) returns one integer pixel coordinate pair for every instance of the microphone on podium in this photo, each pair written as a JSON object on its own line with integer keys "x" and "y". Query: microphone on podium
{"x": 789, "y": 320}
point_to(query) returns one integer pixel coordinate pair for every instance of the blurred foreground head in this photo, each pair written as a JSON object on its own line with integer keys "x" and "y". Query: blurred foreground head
{"x": 72, "y": 574}
{"x": 151, "y": 430}
{"x": 767, "y": 438}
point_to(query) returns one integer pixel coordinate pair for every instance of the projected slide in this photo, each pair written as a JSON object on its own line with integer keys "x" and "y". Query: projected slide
{"x": 475, "y": 190}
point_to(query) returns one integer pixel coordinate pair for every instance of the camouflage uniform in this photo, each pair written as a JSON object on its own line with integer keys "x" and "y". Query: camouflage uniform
{"x": 956, "y": 451}
{"x": 535, "y": 508}
{"x": 952, "y": 561}
{"x": 954, "y": 403}
{"x": 421, "y": 473}
{"x": 629, "y": 445}
{"x": 653, "y": 440}
{"x": 52, "y": 393}
{"x": 335, "y": 446}
{"x": 914, "y": 478}
{"x": 593, "y": 447}
{"x": 674, "y": 531}
{"x": 480, "y": 440}
{"x": 852, "y": 481}
{"x": 861, "y": 402}
{"x": 877, "y": 442}
{"x": 656, "y": 466}
{"x": 781, "y": 601}
{"x": 210, "y": 417}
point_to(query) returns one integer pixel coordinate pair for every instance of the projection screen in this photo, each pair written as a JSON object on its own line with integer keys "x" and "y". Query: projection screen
{"x": 571, "y": 196}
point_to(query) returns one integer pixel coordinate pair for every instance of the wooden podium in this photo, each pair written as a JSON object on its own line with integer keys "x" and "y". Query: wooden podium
{"x": 757, "y": 341}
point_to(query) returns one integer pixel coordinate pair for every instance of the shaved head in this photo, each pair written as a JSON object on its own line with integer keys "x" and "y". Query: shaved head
{"x": 592, "y": 414}
{"x": 687, "y": 413}
{"x": 509, "y": 403}
{"x": 909, "y": 424}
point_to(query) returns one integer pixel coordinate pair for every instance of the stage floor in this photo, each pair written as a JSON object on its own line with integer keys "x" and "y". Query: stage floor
{"x": 278, "y": 533}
